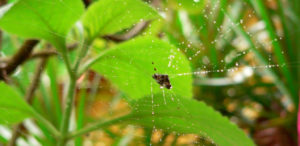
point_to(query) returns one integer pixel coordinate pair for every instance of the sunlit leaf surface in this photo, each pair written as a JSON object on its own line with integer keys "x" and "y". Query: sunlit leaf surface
{"x": 13, "y": 108}
{"x": 175, "y": 114}
{"x": 131, "y": 65}
{"x": 111, "y": 16}
{"x": 42, "y": 19}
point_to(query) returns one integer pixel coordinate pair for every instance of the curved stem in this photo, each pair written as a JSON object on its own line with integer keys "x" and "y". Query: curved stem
{"x": 91, "y": 62}
{"x": 46, "y": 123}
{"x": 70, "y": 98}
{"x": 68, "y": 109}
{"x": 97, "y": 126}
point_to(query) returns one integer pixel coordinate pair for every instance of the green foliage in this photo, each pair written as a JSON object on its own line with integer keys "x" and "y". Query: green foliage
{"x": 261, "y": 9}
{"x": 205, "y": 36}
{"x": 111, "y": 16}
{"x": 192, "y": 6}
{"x": 129, "y": 66}
{"x": 187, "y": 116}
{"x": 13, "y": 108}
{"x": 48, "y": 19}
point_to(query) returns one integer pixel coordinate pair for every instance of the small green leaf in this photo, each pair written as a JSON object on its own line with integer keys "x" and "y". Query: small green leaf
{"x": 110, "y": 16}
{"x": 13, "y": 108}
{"x": 187, "y": 116}
{"x": 41, "y": 19}
{"x": 131, "y": 65}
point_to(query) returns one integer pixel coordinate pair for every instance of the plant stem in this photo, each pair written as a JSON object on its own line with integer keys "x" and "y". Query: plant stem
{"x": 68, "y": 109}
{"x": 68, "y": 65}
{"x": 46, "y": 123}
{"x": 91, "y": 62}
{"x": 98, "y": 126}
{"x": 82, "y": 52}
{"x": 70, "y": 98}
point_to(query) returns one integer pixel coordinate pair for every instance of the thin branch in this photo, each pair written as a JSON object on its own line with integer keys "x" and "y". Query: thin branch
{"x": 18, "y": 58}
{"x": 21, "y": 55}
{"x": 130, "y": 34}
{"x": 87, "y": 2}
{"x": 50, "y": 52}
{"x": 43, "y": 53}
{"x": 3, "y": 2}
{"x": 4, "y": 62}
{"x": 29, "y": 97}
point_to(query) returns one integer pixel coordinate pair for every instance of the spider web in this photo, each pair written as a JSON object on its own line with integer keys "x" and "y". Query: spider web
{"x": 239, "y": 72}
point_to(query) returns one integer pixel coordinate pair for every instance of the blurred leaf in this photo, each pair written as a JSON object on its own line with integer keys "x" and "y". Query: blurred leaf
{"x": 130, "y": 67}
{"x": 192, "y": 6}
{"x": 262, "y": 10}
{"x": 43, "y": 19}
{"x": 183, "y": 115}
{"x": 13, "y": 108}
{"x": 111, "y": 16}
{"x": 80, "y": 116}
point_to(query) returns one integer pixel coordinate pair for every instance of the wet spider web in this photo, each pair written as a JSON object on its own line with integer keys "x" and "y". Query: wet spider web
{"x": 236, "y": 74}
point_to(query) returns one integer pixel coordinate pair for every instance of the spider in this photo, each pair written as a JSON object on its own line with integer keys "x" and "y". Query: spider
{"x": 162, "y": 79}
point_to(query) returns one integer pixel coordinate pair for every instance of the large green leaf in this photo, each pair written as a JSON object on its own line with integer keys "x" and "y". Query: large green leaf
{"x": 13, "y": 108}
{"x": 131, "y": 65}
{"x": 42, "y": 19}
{"x": 110, "y": 16}
{"x": 183, "y": 116}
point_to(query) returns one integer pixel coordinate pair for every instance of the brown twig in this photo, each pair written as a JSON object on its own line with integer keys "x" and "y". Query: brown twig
{"x": 50, "y": 52}
{"x": 130, "y": 34}
{"x": 87, "y": 2}
{"x": 18, "y": 58}
{"x": 8, "y": 66}
{"x": 22, "y": 54}
{"x": 15, "y": 61}
{"x": 3, "y": 2}
{"x": 29, "y": 96}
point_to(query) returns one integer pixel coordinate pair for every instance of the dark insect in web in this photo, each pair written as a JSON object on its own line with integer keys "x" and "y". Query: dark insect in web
{"x": 162, "y": 79}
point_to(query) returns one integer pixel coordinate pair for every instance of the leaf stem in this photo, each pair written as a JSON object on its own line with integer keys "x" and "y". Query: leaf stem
{"x": 70, "y": 99}
{"x": 46, "y": 123}
{"x": 68, "y": 64}
{"x": 68, "y": 109}
{"x": 98, "y": 126}
{"x": 92, "y": 61}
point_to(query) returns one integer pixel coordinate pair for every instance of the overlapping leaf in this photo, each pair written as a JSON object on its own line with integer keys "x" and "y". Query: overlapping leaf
{"x": 41, "y": 19}
{"x": 13, "y": 108}
{"x": 131, "y": 66}
{"x": 111, "y": 16}
{"x": 175, "y": 114}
